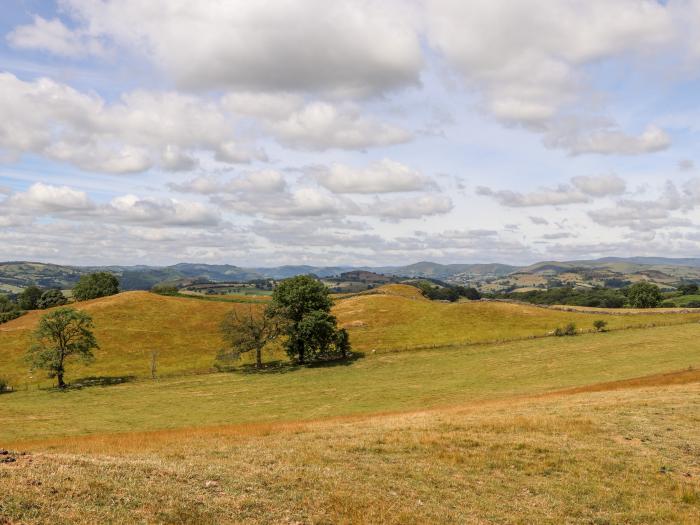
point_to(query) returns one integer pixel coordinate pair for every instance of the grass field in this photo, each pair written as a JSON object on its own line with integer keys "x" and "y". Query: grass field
{"x": 597, "y": 428}
{"x": 185, "y": 330}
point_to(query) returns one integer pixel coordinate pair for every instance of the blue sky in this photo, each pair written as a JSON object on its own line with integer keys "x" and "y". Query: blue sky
{"x": 357, "y": 132}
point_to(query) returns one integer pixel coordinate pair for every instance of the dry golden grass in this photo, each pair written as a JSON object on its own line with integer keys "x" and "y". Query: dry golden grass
{"x": 185, "y": 331}
{"x": 621, "y": 456}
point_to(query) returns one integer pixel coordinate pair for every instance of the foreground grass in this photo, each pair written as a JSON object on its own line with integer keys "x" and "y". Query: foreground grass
{"x": 625, "y": 456}
{"x": 390, "y": 382}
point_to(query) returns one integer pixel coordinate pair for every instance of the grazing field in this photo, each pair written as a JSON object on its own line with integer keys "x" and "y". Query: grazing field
{"x": 388, "y": 382}
{"x": 185, "y": 331}
{"x": 618, "y": 456}
{"x": 597, "y": 428}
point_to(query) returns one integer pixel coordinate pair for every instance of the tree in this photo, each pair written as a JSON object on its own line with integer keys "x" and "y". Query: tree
{"x": 7, "y": 305}
{"x": 644, "y": 295}
{"x": 61, "y": 334}
{"x": 94, "y": 285}
{"x": 51, "y": 298}
{"x": 688, "y": 289}
{"x": 303, "y": 306}
{"x": 28, "y": 299}
{"x": 248, "y": 332}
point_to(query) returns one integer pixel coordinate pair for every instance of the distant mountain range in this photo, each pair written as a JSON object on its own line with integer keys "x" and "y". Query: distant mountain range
{"x": 17, "y": 275}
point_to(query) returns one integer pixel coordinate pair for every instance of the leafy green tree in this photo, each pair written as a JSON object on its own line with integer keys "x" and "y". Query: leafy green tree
{"x": 94, "y": 285}
{"x": 248, "y": 332}
{"x": 62, "y": 333}
{"x": 303, "y": 305}
{"x": 644, "y": 295}
{"x": 29, "y": 298}
{"x": 7, "y": 305}
{"x": 51, "y": 298}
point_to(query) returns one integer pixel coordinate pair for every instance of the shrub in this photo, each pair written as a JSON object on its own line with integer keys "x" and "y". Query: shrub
{"x": 667, "y": 304}
{"x": 51, "y": 298}
{"x": 165, "y": 289}
{"x": 4, "y": 385}
{"x": 692, "y": 304}
{"x": 600, "y": 325}
{"x": 9, "y": 316}
{"x": 569, "y": 329}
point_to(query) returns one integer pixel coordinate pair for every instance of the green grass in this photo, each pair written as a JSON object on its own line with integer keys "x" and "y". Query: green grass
{"x": 399, "y": 381}
{"x": 685, "y": 299}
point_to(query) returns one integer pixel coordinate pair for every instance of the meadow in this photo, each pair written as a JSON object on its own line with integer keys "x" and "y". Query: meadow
{"x": 486, "y": 420}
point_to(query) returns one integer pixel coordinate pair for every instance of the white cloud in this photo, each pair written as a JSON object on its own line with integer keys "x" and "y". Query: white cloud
{"x": 547, "y": 197}
{"x": 320, "y": 125}
{"x": 600, "y": 186}
{"x": 54, "y": 37}
{"x": 411, "y": 207}
{"x": 343, "y": 47}
{"x": 380, "y": 177}
{"x": 44, "y": 198}
{"x": 162, "y": 212}
{"x": 266, "y": 181}
{"x": 606, "y": 140}
{"x": 141, "y": 130}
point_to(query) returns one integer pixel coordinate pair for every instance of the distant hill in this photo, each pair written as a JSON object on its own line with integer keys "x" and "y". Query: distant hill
{"x": 613, "y": 271}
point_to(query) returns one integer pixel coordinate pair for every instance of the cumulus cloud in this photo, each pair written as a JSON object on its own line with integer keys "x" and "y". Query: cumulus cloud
{"x": 606, "y": 140}
{"x": 411, "y": 207}
{"x": 141, "y": 130}
{"x": 321, "y": 125}
{"x": 547, "y": 197}
{"x": 384, "y": 176}
{"x": 581, "y": 190}
{"x": 600, "y": 186}
{"x": 44, "y": 198}
{"x": 54, "y": 37}
{"x": 265, "y": 181}
{"x": 308, "y": 45}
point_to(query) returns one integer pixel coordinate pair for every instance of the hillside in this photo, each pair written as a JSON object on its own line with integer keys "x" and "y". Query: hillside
{"x": 185, "y": 331}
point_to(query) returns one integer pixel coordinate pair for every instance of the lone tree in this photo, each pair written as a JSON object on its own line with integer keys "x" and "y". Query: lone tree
{"x": 303, "y": 305}
{"x": 644, "y": 295}
{"x": 248, "y": 332}
{"x": 62, "y": 333}
{"x": 94, "y": 285}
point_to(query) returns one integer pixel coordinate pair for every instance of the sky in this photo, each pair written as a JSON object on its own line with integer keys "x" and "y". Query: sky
{"x": 352, "y": 132}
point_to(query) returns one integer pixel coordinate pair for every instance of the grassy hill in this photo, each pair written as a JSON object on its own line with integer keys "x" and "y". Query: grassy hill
{"x": 185, "y": 331}
{"x": 598, "y": 428}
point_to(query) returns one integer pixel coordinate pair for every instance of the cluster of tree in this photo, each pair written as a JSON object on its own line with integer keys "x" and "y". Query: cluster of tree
{"x": 31, "y": 298}
{"x": 300, "y": 314}
{"x": 94, "y": 285}
{"x": 688, "y": 289}
{"x": 639, "y": 295}
{"x": 447, "y": 292}
{"x": 165, "y": 289}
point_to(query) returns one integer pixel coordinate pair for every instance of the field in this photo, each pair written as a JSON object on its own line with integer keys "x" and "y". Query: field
{"x": 597, "y": 428}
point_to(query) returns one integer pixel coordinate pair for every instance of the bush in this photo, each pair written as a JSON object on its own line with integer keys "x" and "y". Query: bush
{"x": 569, "y": 329}
{"x": 94, "y": 285}
{"x": 600, "y": 325}
{"x": 4, "y": 385}
{"x": 692, "y": 304}
{"x": 9, "y": 316}
{"x": 51, "y": 298}
{"x": 668, "y": 304}
{"x": 165, "y": 289}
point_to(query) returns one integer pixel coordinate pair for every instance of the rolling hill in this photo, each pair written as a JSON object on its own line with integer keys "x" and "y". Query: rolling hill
{"x": 185, "y": 331}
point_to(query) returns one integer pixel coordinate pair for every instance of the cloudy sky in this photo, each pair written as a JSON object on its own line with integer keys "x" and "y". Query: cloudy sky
{"x": 348, "y": 132}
